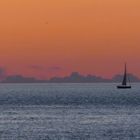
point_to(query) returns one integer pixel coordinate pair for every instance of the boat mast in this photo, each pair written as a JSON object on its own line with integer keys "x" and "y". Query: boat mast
{"x": 125, "y": 76}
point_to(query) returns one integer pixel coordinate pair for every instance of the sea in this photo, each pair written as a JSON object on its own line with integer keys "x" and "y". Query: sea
{"x": 95, "y": 111}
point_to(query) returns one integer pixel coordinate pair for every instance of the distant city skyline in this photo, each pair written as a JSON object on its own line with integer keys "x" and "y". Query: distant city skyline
{"x": 74, "y": 77}
{"x": 44, "y": 72}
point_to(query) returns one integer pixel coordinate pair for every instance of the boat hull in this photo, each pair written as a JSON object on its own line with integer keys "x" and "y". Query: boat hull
{"x": 123, "y": 87}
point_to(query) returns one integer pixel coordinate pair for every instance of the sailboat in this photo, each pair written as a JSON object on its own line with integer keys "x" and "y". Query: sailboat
{"x": 125, "y": 79}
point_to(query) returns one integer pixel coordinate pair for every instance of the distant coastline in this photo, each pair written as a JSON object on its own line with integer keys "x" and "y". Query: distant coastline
{"x": 74, "y": 77}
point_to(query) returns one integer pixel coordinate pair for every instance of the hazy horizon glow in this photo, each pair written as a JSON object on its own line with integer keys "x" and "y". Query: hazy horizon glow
{"x": 48, "y": 38}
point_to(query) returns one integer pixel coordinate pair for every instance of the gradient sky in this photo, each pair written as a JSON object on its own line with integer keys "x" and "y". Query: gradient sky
{"x": 45, "y": 38}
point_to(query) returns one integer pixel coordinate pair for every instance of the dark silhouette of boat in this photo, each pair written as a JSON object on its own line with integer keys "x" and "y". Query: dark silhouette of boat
{"x": 125, "y": 79}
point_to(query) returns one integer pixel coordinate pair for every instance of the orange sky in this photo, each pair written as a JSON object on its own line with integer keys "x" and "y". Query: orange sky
{"x": 44, "y": 38}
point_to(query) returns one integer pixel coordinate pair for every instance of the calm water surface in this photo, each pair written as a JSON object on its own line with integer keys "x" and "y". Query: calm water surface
{"x": 69, "y": 112}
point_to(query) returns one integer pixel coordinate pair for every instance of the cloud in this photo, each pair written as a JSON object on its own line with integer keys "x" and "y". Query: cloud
{"x": 2, "y": 72}
{"x": 43, "y": 68}
{"x": 54, "y": 68}
{"x": 36, "y": 67}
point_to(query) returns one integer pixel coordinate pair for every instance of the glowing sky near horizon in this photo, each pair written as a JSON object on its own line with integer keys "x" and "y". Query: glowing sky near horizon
{"x": 45, "y": 38}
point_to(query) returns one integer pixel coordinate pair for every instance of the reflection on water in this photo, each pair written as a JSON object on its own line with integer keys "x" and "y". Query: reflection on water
{"x": 69, "y": 112}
